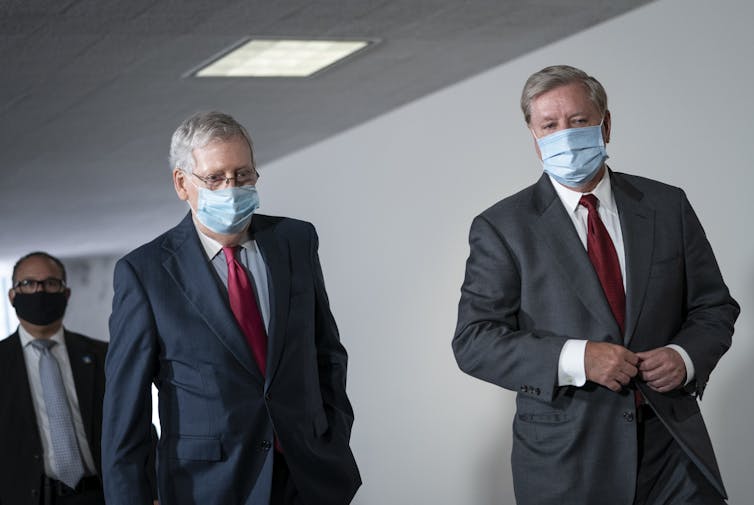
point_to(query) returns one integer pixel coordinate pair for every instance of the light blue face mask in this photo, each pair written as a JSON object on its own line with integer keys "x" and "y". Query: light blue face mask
{"x": 573, "y": 156}
{"x": 227, "y": 210}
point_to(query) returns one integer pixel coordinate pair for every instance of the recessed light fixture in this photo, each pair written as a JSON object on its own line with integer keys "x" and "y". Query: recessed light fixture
{"x": 280, "y": 58}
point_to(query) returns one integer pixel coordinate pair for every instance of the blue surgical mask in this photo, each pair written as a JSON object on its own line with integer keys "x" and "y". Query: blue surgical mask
{"x": 228, "y": 210}
{"x": 573, "y": 156}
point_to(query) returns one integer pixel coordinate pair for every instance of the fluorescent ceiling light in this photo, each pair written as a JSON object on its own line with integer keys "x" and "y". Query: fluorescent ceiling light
{"x": 280, "y": 58}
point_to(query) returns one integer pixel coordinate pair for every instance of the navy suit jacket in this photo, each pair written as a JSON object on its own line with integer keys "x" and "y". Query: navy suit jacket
{"x": 172, "y": 325}
{"x": 530, "y": 286}
{"x": 21, "y": 458}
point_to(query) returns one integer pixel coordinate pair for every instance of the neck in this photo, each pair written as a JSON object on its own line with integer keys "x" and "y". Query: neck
{"x": 39, "y": 331}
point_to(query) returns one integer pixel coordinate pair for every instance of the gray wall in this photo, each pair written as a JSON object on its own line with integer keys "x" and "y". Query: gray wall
{"x": 393, "y": 199}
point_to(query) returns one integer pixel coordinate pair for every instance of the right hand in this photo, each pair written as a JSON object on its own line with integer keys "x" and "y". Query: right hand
{"x": 610, "y": 365}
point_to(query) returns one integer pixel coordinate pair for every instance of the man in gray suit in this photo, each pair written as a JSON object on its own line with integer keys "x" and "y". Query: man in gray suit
{"x": 596, "y": 296}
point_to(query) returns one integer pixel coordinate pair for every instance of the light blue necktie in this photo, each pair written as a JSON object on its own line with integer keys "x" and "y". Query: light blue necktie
{"x": 65, "y": 447}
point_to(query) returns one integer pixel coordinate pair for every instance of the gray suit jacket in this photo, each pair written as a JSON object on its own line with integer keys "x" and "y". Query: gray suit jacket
{"x": 529, "y": 287}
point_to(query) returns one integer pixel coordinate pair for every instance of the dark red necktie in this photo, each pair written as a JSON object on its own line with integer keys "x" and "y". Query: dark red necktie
{"x": 244, "y": 307}
{"x": 602, "y": 254}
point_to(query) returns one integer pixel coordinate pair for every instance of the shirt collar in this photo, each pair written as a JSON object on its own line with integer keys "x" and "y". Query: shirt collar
{"x": 212, "y": 247}
{"x": 27, "y": 338}
{"x": 603, "y": 191}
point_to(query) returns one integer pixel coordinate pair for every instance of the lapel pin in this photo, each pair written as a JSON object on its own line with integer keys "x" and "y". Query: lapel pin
{"x": 87, "y": 359}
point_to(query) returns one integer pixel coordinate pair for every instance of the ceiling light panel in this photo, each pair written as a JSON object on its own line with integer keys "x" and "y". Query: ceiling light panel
{"x": 280, "y": 58}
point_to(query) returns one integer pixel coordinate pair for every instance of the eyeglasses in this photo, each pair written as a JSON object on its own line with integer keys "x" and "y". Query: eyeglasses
{"x": 215, "y": 181}
{"x": 49, "y": 285}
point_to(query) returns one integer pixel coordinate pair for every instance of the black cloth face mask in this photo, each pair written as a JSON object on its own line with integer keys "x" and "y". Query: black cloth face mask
{"x": 40, "y": 308}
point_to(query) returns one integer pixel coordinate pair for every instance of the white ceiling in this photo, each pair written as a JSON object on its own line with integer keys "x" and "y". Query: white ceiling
{"x": 91, "y": 90}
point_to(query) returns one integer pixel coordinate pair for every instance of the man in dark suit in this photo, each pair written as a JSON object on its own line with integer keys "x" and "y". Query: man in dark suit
{"x": 227, "y": 314}
{"x": 596, "y": 296}
{"x": 36, "y": 465}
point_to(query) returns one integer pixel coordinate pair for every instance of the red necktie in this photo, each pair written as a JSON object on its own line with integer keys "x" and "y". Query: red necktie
{"x": 244, "y": 307}
{"x": 602, "y": 254}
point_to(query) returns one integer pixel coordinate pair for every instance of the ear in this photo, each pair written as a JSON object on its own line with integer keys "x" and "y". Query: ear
{"x": 179, "y": 182}
{"x": 67, "y": 293}
{"x": 11, "y": 296}
{"x": 606, "y": 124}
{"x": 536, "y": 146}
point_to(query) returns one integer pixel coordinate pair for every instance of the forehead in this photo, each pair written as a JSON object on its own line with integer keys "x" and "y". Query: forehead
{"x": 231, "y": 153}
{"x": 38, "y": 267}
{"x": 567, "y": 99}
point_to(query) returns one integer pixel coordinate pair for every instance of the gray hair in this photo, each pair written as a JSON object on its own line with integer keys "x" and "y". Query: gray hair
{"x": 555, "y": 76}
{"x": 199, "y": 130}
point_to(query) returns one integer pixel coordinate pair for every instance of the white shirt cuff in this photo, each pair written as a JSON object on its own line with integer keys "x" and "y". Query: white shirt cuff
{"x": 571, "y": 370}
{"x": 686, "y": 360}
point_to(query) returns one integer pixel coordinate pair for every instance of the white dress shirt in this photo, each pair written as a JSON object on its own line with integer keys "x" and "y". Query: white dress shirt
{"x": 571, "y": 371}
{"x": 60, "y": 352}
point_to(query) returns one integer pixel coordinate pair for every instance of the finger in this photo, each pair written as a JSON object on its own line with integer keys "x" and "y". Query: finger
{"x": 632, "y": 358}
{"x": 615, "y": 386}
{"x": 643, "y": 355}
{"x": 630, "y": 370}
{"x": 654, "y": 374}
{"x": 650, "y": 364}
{"x": 664, "y": 388}
{"x": 658, "y": 384}
{"x": 667, "y": 382}
{"x": 620, "y": 378}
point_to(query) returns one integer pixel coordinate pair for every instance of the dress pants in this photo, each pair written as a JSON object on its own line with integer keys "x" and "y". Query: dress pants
{"x": 666, "y": 475}
{"x": 284, "y": 491}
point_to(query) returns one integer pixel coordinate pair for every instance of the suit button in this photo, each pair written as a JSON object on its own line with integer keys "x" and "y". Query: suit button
{"x": 34, "y": 492}
{"x": 628, "y": 416}
{"x": 266, "y": 445}
{"x": 36, "y": 457}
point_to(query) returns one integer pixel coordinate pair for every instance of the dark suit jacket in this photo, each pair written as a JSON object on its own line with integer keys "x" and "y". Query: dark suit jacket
{"x": 172, "y": 324}
{"x": 529, "y": 287}
{"x": 21, "y": 458}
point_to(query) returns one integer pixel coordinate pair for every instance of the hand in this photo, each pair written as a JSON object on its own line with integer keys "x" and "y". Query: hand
{"x": 610, "y": 365}
{"x": 662, "y": 369}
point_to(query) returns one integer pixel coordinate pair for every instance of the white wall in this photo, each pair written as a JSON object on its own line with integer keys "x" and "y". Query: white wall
{"x": 91, "y": 283}
{"x": 393, "y": 199}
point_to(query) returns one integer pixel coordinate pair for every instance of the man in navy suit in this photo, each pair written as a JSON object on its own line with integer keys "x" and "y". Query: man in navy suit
{"x": 227, "y": 314}
{"x": 596, "y": 296}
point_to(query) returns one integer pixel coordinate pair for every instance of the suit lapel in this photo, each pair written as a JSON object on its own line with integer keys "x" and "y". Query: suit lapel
{"x": 83, "y": 368}
{"x": 19, "y": 388}
{"x": 189, "y": 267}
{"x": 637, "y": 221}
{"x": 276, "y": 256}
{"x": 555, "y": 229}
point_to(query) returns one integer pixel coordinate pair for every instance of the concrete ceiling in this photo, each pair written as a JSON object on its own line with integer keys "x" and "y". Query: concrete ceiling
{"x": 91, "y": 90}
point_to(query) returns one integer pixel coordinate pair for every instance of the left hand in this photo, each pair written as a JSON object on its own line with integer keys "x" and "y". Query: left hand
{"x": 662, "y": 369}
